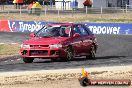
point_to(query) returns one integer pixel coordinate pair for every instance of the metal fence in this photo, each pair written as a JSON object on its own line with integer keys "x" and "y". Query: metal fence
{"x": 46, "y": 9}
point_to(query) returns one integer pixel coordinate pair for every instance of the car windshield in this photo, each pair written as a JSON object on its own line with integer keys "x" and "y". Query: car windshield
{"x": 54, "y": 31}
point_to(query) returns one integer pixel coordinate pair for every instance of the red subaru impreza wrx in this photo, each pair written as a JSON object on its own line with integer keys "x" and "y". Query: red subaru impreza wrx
{"x": 59, "y": 41}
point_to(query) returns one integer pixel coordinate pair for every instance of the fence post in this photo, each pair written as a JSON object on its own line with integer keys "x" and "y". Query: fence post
{"x": 72, "y": 12}
{"x": 45, "y": 10}
{"x": 20, "y": 9}
{"x": 65, "y": 6}
{"x": 8, "y": 12}
{"x": 43, "y": 4}
{"x": 86, "y": 10}
{"x": 2, "y": 7}
{"x": 101, "y": 10}
{"x": 58, "y": 12}
{"x": 126, "y": 8}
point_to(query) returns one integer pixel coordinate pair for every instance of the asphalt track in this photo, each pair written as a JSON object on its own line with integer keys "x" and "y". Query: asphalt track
{"x": 113, "y": 50}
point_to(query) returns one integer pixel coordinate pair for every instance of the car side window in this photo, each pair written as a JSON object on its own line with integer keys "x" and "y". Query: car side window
{"x": 76, "y": 30}
{"x": 88, "y": 30}
{"x": 83, "y": 32}
{"x": 63, "y": 33}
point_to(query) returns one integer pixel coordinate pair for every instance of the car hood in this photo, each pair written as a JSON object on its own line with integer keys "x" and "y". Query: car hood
{"x": 45, "y": 41}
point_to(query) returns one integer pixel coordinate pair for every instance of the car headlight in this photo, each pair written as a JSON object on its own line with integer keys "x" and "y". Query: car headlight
{"x": 25, "y": 46}
{"x": 55, "y": 46}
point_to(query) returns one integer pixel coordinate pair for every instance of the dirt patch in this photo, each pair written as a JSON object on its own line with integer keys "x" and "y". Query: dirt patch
{"x": 65, "y": 78}
{"x": 9, "y": 57}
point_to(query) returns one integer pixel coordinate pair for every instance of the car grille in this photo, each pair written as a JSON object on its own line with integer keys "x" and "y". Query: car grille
{"x": 39, "y": 46}
{"x": 38, "y": 52}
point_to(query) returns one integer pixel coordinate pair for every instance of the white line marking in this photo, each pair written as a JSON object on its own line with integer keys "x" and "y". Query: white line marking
{"x": 2, "y": 43}
{"x": 18, "y": 59}
{"x": 12, "y": 60}
{"x": 113, "y": 60}
{"x": 14, "y": 43}
{"x": 9, "y": 43}
{"x": 5, "y": 61}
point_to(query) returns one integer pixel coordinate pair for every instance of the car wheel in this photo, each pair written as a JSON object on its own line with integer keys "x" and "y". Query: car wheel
{"x": 28, "y": 60}
{"x": 69, "y": 55}
{"x": 92, "y": 53}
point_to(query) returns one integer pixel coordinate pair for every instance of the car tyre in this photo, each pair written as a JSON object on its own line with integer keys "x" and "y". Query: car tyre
{"x": 28, "y": 60}
{"x": 54, "y": 60}
{"x": 69, "y": 55}
{"x": 92, "y": 53}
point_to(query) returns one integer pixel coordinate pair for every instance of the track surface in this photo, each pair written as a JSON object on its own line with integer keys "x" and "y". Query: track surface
{"x": 113, "y": 50}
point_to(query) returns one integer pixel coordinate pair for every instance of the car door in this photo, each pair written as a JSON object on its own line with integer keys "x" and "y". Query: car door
{"x": 86, "y": 40}
{"x": 76, "y": 41}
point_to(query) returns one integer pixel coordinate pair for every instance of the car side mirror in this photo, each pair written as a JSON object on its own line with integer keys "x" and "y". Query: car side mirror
{"x": 32, "y": 34}
{"x": 76, "y": 35}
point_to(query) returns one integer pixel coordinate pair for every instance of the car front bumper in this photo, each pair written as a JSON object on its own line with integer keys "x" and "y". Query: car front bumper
{"x": 43, "y": 53}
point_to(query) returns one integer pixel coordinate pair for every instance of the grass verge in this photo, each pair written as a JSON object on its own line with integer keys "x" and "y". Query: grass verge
{"x": 6, "y": 50}
{"x": 116, "y": 17}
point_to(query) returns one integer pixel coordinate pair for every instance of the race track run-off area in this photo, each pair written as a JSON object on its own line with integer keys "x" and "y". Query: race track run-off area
{"x": 112, "y": 50}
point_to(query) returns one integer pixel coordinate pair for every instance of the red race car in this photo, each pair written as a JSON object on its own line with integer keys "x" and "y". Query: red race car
{"x": 59, "y": 41}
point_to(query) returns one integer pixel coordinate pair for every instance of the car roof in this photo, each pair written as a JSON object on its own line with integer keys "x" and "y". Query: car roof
{"x": 64, "y": 24}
